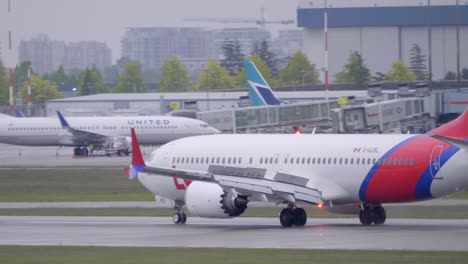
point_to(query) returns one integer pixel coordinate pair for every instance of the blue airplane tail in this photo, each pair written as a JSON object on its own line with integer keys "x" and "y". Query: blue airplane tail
{"x": 259, "y": 91}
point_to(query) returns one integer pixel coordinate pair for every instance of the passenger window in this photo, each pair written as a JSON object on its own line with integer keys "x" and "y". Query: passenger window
{"x": 389, "y": 161}
{"x": 313, "y": 160}
{"x": 276, "y": 160}
{"x": 346, "y": 161}
{"x": 271, "y": 160}
{"x": 334, "y": 160}
{"x": 405, "y": 162}
{"x": 375, "y": 160}
{"x": 329, "y": 160}
{"x": 261, "y": 160}
{"x": 400, "y": 162}
{"x": 250, "y": 160}
{"x": 173, "y": 159}
{"x": 298, "y": 160}
{"x": 303, "y": 160}
{"x": 395, "y": 161}
{"x": 318, "y": 161}
{"x": 292, "y": 160}
{"x": 192, "y": 160}
{"x": 285, "y": 160}
{"x": 411, "y": 162}
{"x": 182, "y": 161}
{"x": 239, "y": 160}
{"x": 351, "y": 161}
{"x": 224, "y": 161}
{"x": 308, "y": 160}
{"x": 196, "y": 160}
{"x": 357, "y": 161}
{"x": 217, "y": 160}
{"x": 212, "y": 160}
{"x": 229, "y": 160}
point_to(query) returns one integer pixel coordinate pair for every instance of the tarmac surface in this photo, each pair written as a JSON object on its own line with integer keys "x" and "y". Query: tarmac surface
{"x": 402, "y": 234}
{"x": 22, "y": 156}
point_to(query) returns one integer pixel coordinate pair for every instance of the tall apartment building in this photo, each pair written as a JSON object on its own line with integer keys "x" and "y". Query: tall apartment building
{"x": 45, "y": 55}
{"x": 152, "y": 46}
{"x": 80, "y": 55}
{"x": 247, "y": 38}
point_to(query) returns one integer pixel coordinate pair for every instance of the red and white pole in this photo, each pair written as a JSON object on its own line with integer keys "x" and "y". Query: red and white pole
{"x": 325, "y": 39}
{"x": 12, "y": 106}
{"x": 29, "y": 86}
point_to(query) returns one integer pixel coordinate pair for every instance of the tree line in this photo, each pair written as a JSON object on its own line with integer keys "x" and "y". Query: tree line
{"x": 217, "y": 75}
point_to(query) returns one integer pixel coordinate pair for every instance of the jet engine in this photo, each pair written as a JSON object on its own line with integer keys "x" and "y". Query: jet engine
{"x": 211, "y": 201}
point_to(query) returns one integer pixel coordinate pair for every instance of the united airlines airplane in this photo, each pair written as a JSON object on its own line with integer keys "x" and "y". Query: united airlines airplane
{"x": 218, "y": 175}
{"x": 97, "y": 131}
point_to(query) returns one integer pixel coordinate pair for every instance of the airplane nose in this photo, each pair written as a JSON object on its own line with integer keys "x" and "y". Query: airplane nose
{"x": 213, "y": 130}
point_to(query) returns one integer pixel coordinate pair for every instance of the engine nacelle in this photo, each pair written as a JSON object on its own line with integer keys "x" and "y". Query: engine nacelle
{"x": 210, "y": 200}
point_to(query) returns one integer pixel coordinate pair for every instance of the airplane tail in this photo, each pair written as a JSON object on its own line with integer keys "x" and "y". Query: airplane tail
{"x": 457, "y": 129}
{"x": 259, "y": 91}
{"x": 137, "y": 158}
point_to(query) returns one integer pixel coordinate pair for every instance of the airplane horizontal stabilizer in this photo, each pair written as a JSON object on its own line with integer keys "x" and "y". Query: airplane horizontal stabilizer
{"x": 463, "y": 144}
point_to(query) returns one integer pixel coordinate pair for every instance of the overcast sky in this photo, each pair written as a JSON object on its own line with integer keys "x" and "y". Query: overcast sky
{"x": 106, "y": 20}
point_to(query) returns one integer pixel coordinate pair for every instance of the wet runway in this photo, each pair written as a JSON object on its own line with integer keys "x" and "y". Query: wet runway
{"x": 21, "y": 156}
{"x": 404, "y": 234}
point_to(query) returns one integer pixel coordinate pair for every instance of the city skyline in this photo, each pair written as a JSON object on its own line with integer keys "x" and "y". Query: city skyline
{"x": 72, "y": 21}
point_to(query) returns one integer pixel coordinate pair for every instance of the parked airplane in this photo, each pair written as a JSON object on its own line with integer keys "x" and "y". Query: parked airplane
{"x": 218, "y": 175}
{"x": 98, "y": 131}
{"x": 260, "y": 92}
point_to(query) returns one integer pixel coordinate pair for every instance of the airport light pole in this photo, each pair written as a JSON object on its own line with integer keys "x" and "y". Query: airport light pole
{"x": 429, "y": 40}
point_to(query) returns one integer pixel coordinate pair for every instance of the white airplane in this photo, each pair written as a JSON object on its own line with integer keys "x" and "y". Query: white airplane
{"x": 218, "y": 175}
{"x": 84, "y": 131}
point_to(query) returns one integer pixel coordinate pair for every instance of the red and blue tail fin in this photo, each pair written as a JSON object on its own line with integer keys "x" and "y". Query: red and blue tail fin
{"x": 457, "y": 128}
{"x": 137, "y": 158}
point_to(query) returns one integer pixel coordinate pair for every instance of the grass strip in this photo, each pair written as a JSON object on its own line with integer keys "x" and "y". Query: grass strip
{"x": 116, "y": 255}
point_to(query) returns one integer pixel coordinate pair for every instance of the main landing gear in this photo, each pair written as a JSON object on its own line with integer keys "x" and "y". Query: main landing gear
{"x": 179, "y": 216}
{"x": 372, "y": 214}
{"x": 293, "y": 216}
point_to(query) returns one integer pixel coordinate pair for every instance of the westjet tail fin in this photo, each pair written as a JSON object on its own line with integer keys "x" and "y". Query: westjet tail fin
{"x": 137, "y": 158}
{"x": 62, "y": 119}
{"x": 259, "y": 91}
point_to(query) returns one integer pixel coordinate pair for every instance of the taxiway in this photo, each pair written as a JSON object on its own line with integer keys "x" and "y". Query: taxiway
{"x": 403, "y": 234}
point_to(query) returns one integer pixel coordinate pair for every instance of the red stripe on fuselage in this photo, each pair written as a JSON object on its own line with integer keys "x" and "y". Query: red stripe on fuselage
{"x": 397, "y": 183}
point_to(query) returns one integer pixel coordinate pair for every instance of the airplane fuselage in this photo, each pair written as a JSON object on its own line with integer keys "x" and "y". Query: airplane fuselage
{"x": 154, "y": 130}
{"x": 345, "y": 169}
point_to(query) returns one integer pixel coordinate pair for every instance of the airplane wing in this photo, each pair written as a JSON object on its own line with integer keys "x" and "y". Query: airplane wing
{"x": 246, "y": 181}
{"x": 81, "y": 137}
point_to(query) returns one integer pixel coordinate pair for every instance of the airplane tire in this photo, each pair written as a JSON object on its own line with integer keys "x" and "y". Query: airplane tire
{"x": 184, "y": 218}
{"x": 379, "y": 215}
{"x": 365, "y": 217}
{"x": 287, "y": 217}
{"x": 300, "y": 217}
{"x": 177, "y": 218}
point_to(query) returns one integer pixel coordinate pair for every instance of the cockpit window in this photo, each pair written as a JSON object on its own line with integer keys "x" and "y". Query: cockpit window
{"x": 203, "y": 125}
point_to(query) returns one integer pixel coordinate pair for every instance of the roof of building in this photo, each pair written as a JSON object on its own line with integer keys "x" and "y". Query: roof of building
{"x": 384, "y": 14}
{"x": 201, "y": 96}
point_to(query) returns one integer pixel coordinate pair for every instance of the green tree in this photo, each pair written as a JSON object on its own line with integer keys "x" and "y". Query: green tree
{"x": 41, "y": 90}
{"x": 131, "y": 80}
{"x": 450, "y": 76}
{"x": 233, "y": 57}
{"x": 174, "y": 77}
{"x": 401, "y": 72}
{"x": 299, "y": 70}
{"x": 263, "y": 51}
{"x": 464, "y": 74}
{"x": 64, "y": 81}
{"x": 92, "y": 82}
{"x": 20, "y": 72}
{"x": 418, "y": 62}
{"x": 4, "y": 89}
{"x": 355, "y": 71}
{"x": 263, "y": 69}
{"x": 215, "y": 77}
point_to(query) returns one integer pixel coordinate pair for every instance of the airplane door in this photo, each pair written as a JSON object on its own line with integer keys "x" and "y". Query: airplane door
{"x": 435, "y": 162}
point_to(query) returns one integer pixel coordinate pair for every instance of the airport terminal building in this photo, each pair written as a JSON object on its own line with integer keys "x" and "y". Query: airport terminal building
{"x": 384, "y": 31}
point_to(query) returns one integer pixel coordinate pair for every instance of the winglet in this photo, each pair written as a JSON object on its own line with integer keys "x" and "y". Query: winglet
{"x": 62, "y": 120}
{"x": 137, "y": 159}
